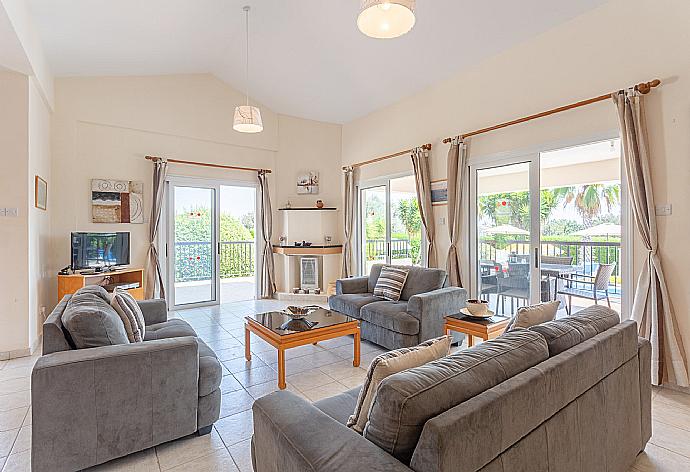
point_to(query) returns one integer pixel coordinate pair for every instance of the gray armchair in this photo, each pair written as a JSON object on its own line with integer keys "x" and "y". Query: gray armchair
{"x": 93, "y": 405}
{"x": 418, "y": 316}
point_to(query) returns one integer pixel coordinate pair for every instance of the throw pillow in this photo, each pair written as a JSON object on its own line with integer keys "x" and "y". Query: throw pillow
{"x": 131, "y": 315}
{"x": 391, "y": 363}
{"x": 390, "y": 283}
{"x": 527, "y": 316}
{"x": 91, "y": 321}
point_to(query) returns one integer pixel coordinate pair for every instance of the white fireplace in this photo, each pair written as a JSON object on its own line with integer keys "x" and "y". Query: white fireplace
{"x": 309, "y": 272}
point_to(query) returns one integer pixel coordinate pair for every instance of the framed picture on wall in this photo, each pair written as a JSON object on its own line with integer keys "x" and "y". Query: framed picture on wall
{"x": 439, "y": 192}
{"x": 41, "y": 193}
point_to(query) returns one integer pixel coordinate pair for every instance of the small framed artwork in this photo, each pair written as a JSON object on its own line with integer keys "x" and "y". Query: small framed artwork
{"x": 41, "y": 194}
{"x": 439, "y": 192}
{"x": 308, "y": 183}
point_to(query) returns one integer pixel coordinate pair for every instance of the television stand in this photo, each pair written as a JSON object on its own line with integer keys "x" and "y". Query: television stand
{"x": 68, "y": 284}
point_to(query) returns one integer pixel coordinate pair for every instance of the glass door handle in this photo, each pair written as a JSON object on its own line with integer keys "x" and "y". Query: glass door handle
{"x": 536, "y": 257}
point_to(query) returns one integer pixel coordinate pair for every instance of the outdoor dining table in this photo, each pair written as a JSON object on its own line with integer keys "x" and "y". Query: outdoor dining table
{"x": 556, "y": 271}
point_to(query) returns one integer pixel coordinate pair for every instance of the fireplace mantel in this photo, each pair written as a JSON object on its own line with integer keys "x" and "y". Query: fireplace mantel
{"x": 307, "y": 250}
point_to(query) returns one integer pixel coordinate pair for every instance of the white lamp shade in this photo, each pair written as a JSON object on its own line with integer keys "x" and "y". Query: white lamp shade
{"x": 247, "y": 119}
{"x": 385, "y": 19}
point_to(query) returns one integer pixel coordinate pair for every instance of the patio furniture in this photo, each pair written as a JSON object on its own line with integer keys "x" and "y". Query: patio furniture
{"x": 598, "y": 286}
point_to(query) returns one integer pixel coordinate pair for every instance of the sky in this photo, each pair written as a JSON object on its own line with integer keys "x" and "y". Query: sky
{"x": 236, "y": 201}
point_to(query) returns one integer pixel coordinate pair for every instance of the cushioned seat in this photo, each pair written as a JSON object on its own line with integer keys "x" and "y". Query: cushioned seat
{"x": 173, "y": 328}
{"x": 210, "y": 370}
{"x": 351, "y": 303}
{"x": 340, "y": 407}
{"x": 391, "y": 315}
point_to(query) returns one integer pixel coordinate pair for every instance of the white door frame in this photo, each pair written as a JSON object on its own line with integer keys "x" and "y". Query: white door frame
{"x": 532, "y": 153}
{"x": 166, "y": 237}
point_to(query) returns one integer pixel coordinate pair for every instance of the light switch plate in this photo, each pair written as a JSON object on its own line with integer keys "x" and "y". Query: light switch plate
{"x": 12, "y": 212}
{"x": 3, "y": 212}
{"x": 665, "y": 209}
{"x": 442, "y": 221}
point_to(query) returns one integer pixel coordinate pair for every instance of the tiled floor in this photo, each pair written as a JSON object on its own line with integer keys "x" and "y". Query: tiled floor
{"x": 313, "y": 372}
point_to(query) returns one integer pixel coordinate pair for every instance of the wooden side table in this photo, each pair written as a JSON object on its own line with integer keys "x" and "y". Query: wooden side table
{"x": 485, "y": 329}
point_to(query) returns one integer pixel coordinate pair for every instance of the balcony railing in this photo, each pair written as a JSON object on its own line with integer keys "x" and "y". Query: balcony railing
{"x": 587, "y": 255}
{"x": 400, "y": 249}
{"x": 193, "y": 260}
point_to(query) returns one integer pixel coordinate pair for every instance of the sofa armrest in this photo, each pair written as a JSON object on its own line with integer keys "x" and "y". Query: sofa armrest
{"x": 352, "y": 285}
{"x": 92, "y": 405}
{"x": 155, "y": 311}
{"x": 292, "y": 434}
{"x": 430, "y": 308}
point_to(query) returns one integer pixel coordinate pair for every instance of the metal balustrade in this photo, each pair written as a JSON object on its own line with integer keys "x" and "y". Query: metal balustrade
{"x": 193, "y": 260}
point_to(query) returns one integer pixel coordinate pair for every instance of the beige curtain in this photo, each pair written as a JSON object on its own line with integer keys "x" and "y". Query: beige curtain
{"x": 349, "y": 211}
{"x": 457, "y": 171}
{"x": 651, "y": 305}
{"x": 422, "y": 177}
{"x": 267, "y": 278}
{"x": 154, "y": 275}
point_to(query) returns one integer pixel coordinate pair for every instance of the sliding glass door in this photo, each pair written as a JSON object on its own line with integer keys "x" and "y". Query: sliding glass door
{"x": 390, "y": 227}
{"x": 549, "y": 226}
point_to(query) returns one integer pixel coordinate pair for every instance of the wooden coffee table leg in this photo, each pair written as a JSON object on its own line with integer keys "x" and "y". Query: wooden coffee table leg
{"x": 356, "y": 360}
{"x": 470, "y": 340}
{"x": 247, "y": 337}
{"x": 281, "y": 369}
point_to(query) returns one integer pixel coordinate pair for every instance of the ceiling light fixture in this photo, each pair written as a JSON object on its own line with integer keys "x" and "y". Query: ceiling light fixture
{"x": 247, "y": 117}
{"x": 386, "y": 19}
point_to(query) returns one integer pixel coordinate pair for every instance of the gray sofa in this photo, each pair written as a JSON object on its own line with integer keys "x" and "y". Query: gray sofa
{"x": 417, "y": 317}
{"x": 570, "y": 395}
{"x": 93, "y": 405}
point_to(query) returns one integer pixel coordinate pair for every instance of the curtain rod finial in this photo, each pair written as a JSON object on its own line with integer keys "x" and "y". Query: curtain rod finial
{"x": 646, "y": 87}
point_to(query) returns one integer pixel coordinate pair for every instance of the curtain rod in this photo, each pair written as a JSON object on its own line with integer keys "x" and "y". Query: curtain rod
{"x": 426, "y": 147}
{"x": 205, "y": 164}
{"x": 644, "y": 88}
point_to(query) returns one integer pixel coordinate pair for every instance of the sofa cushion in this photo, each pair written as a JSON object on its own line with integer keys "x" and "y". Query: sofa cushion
{"x": 407, "y": 400}
{"x": 91, "y": 321}
{"x": 131, "y": 315}
{"x": 390, "y": 363}
{"x": 419, "y": 280}
{"x": 173, "y": 328}
{"x": 350, "y": 304}
{"x": 532, "y": 315}
{"x": 390, "y": 315}
{"x": 210, "y": 370}
{"x": 340, "y": 407}
{"x": 565, "y": 333}
{"x": 391, "y": 282}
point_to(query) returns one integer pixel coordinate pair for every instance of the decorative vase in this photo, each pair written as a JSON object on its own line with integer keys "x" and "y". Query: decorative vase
{"x": 319, "y": 203}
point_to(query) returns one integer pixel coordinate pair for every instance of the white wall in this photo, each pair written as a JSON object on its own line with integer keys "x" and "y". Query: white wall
{"x": 619, "y": 44}
{"x": 14, "y": 188}
{"x": 103, "y": 127}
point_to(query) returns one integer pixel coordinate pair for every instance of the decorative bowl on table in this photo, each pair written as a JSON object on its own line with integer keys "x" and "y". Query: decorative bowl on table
{"x": 478, "y": 308}
{"x": 300, "y": 312}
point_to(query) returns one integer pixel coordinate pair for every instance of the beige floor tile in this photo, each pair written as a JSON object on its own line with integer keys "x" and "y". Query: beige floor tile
{"x": 27, "y": 419}
{"x": 15, "y": 385}
{"x": 236, "y": 428}
{"x": 354, "y": 381}
{"x": 144, "y": 461}
{"x": 235, "y": 402}
{"x": 658, "y": 459}
{"x": 20, "y": 462}
{"x": 342, "y": 369}
{"x": 269, "y": 357}
{"x": 22, "y": 372}
{"x": 671, "y": 438}
{"x": 242, "y": 454}
{"x": 671, "y": 414}
{"x": 336, "y": 342}
{"x": 261, "y": 390}
{"x": 241, "y": 364}
{"x": 229, "y": 384}
{"x": 25, "y": 362}
{"x": 229, "y": 354}
{"x": 221, "y": 344}
{"x": 23, "y": 441}
{"x": 12, "y": 401}
{"x": 188, "y": 448}
{"x": 256, "y": 376}
{"x": 12, "y": 419}
{"x": 309, "y": 379}
{"x": 6, "y": 441}
{"x": 218, "y": 461}
{"x": 672, "y": 397}
{"x": 324, "y": 391}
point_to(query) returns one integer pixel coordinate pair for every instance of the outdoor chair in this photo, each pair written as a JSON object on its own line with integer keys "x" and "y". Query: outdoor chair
{"x": 517, "y": 286}
{"x": 597, "y": 286}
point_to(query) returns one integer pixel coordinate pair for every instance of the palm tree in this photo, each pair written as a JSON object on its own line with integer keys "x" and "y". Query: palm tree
{"x": 588, "y": 199}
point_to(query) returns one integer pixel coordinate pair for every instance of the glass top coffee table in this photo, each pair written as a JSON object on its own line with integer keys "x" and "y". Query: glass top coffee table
{"x": 282, "y": 331}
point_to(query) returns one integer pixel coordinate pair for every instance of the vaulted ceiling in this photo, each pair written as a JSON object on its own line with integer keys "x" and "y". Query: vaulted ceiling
{"x": 308, "y": 58}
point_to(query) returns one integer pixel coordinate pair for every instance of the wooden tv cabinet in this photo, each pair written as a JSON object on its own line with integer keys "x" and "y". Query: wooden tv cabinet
{"x": 68, "y": 284}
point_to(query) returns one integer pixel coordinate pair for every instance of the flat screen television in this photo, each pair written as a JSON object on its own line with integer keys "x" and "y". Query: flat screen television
{"x": 99, "y": 250}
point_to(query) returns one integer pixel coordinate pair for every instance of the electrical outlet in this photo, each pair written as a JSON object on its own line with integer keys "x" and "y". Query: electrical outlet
{"x": 12, "y": 212}
{"x": 442, "y": 221}
{"x": 3, "y": 212}
{"x": 664, "y": 209}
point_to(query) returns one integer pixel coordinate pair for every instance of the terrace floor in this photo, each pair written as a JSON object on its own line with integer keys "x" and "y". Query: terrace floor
{"x": 236, "y": 289}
